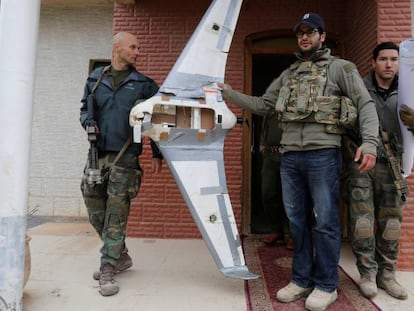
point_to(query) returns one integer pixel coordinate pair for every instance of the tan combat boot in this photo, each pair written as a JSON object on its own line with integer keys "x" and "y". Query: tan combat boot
{"x": 107, "y": 284}
{"x": 319, "y": 300}
{"x": 368, "y": 286}
{"x": 386, "y": 281}
{"x": 292, "y": 292}
{"x": 124, "y": 262}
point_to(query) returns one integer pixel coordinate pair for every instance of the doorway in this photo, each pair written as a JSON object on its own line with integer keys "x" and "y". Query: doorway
{"x": 265, "y": 68}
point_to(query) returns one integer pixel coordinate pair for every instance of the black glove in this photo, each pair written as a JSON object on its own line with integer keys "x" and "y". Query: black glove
{"x": 407, "y": 116}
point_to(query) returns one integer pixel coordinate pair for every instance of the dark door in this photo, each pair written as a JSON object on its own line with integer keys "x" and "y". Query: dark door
{"x": 265, "y": 68}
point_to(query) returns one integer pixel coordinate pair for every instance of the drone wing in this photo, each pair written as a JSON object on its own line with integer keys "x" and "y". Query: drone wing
{"x": 189, "y": 121}
{"x": 203, "y": 60}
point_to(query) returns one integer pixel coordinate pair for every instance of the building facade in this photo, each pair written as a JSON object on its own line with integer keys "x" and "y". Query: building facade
{"x": 72, "y": 33}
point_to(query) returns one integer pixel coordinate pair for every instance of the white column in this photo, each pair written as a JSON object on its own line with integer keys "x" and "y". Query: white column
{"x": 19, "y": 24}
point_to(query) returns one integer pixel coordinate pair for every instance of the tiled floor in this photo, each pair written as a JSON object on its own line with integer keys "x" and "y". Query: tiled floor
{"x": 168, "y": 275}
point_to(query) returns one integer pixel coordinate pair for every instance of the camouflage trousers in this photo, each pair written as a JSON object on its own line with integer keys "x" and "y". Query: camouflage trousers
{"x": 108, "y": 203}
{"x": 375, "y": 214}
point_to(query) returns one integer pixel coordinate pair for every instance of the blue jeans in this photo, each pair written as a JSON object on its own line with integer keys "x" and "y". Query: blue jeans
{"x": 310, "y": 184}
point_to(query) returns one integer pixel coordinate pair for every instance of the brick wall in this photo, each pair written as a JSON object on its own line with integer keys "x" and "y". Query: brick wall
{"x": 361, "y": 33}
{"x": 72, "y": 32}
{"x": 394, "y": 20}
{"x": 371, "y": 22}
{"x": 412, "y": 18}
{"x": 164, "y": 28}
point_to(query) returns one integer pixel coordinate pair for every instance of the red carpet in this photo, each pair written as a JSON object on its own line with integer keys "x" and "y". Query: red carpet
{"x": 273, "y": 264}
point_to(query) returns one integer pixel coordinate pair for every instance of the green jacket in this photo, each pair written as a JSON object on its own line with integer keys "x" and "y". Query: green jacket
{"x": 387, "y": 110}
{"x": 343, "y": 79}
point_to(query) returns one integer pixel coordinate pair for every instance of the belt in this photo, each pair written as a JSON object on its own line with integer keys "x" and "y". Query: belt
{"x": 273, "y": 148}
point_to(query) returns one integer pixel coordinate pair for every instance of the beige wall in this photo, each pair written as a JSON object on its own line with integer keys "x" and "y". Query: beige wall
{"x": 71, "y": 32}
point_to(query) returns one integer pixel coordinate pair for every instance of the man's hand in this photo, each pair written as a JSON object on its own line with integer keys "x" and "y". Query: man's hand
{"x": 368, "y": 160}
{"x": 156, "y": 165}
{"x": 407, "y": 116}
{"x": 223, "y": 86}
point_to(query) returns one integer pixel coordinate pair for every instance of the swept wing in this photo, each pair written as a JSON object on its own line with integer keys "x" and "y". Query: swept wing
{"x": 189, "y": 121}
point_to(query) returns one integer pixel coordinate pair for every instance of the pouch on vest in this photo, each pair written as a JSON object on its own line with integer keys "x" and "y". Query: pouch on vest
{"x": 282, "y": 99}
{"x": 349, "y": 113}
{"x": 336, "y": 110}
{"x": 303, "y": 99}
{"x": 328, "y": 109}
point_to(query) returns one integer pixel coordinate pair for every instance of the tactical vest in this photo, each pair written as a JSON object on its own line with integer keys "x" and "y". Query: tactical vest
{"x": 301, "y": 99}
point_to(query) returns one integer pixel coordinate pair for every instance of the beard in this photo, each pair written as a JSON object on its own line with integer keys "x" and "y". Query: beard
{"x": 308, "y": 52}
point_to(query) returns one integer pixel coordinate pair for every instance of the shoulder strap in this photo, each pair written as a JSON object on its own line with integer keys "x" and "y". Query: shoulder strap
{"x": 106, "y": 68}
{"x": 122, "y": 151}
{"x": 128, "y": 142}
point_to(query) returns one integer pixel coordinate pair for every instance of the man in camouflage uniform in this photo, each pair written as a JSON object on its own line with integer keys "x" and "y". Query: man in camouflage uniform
{"x": 375, "y": 205}
{"x": 108, "y": 203}
{"x": 312, "y": 98}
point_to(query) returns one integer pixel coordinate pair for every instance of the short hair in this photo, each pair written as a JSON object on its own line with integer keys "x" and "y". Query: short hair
{"x": 384, "y": 46}
{"x": 118, "y": 37}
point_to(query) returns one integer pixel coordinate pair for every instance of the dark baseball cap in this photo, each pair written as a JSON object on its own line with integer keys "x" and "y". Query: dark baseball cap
{"x": 312, "y": 20}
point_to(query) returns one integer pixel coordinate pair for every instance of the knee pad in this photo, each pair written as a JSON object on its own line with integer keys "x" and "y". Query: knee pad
{"x": 363, "y": 228}
{"x": 392, "y": 229}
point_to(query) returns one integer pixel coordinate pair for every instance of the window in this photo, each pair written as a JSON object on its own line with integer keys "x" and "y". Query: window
{"x": 95, "y": 63}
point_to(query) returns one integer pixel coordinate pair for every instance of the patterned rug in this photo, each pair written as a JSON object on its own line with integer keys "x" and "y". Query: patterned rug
{"x": 273, "y": 264}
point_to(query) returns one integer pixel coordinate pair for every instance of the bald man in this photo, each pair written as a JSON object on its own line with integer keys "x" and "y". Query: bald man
{"x": 118, "y": 88}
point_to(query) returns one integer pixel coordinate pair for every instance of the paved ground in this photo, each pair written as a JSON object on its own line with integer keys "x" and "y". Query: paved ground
{"x": 168, "y": 275}
{"x": 383, "y": 300}
{"x": 33, "y": 221}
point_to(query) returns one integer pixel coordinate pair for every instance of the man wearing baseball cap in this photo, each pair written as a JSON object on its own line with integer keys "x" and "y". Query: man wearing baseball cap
{"x": 312, "y": 20}
{"x": 311, "y": 98}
